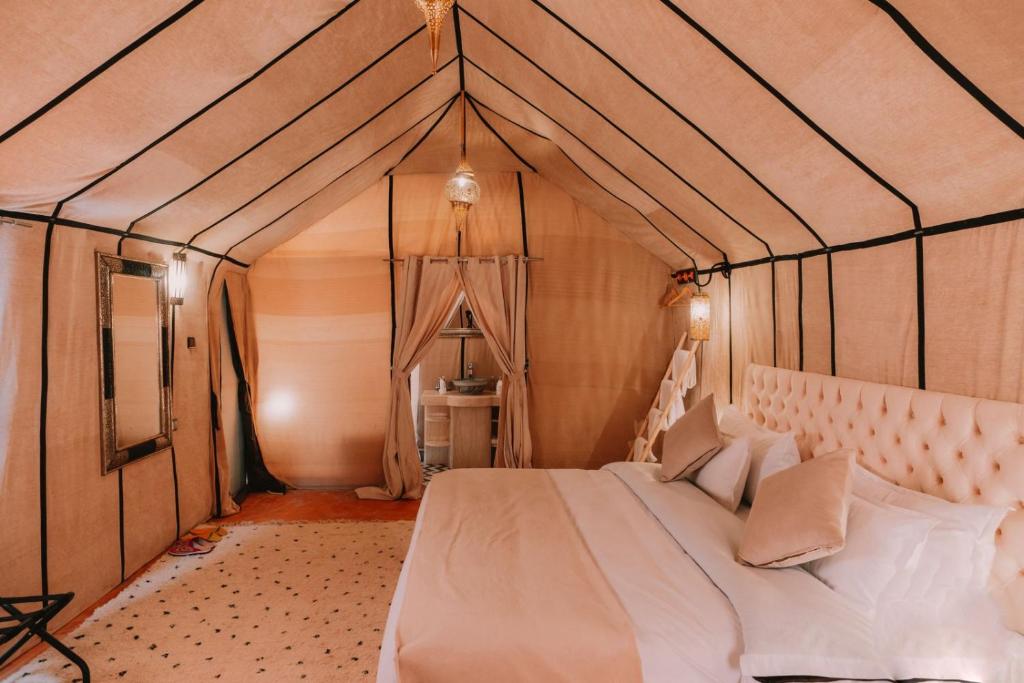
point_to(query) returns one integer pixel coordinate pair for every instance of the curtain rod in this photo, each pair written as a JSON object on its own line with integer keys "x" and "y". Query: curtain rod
{"x": 463, "y": 259}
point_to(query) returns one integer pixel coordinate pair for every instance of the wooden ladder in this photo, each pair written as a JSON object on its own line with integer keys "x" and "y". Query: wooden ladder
{"x": 647, "y": 433}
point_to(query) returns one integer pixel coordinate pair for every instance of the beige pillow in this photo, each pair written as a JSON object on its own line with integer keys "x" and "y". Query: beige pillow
{"x": 691, "y": 441}
{"x": 725, "y": 475}
{"x": 799, "y": 514}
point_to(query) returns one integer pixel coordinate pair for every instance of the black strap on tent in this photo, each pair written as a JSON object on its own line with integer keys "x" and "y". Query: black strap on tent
{"x": 344, "y": 173}
{"x": 409, "y": 152}
{"x": 597, "y": 154}
{"x": 775, "y": 324}
{"x": 919, "y": 263}
{"x": 933, "y": 54}
{"x": 174, "y": 455}
{"x": 277, "y": 131}
{"x": 800, "y": 308}
{"x": 620, "y": 130}
{"x": 44, "y": 393}
{"x": 728, "y": 281}
{"x": 941, "y": 229}
{"x": 77, "y": 85}
{"x": 457, "y": 23}
{"x": 314, "y": 158}
{"x": 678, "y": 114}
{"x": 522, "y": 213}
{"x": 120, "y": 517}
{"x": 526, "y": 253}
{"x": 831, "y": 312}
{"x": 67, "y": 223}
{"x": 785, "y": 101}
{"x": 501, "y": 139}
{"x": 238, "y": 86}
{"x": 391, "y": 261}
{"x": 588, "y": 176}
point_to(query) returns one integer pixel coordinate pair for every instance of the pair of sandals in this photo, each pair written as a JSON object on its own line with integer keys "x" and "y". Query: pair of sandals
{"x": 199, "y": 541}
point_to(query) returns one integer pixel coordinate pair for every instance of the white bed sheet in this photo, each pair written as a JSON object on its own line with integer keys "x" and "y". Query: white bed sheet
{"x": 685, "y": 627}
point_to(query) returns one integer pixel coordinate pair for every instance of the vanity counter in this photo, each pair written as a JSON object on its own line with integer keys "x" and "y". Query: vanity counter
{"x": 462, "y": 423}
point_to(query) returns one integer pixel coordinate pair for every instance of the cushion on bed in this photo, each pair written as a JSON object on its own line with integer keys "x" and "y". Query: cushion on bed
{"x": 770, "y": 452}
{"x": 800, "y": 513}
{"x": 691, "y": 441}
{"x": 725, "y": 475}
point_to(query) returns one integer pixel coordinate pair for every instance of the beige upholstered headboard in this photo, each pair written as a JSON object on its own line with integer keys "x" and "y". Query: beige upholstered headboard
{"x": 963, "y": 449}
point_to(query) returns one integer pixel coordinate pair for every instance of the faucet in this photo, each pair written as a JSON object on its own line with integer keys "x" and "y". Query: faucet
{"x": 469, "y": 371}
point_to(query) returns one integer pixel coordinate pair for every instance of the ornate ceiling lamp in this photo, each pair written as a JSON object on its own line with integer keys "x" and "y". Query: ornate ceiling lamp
{"x": 462, "y": 189}
{"x": 434, "y": 12}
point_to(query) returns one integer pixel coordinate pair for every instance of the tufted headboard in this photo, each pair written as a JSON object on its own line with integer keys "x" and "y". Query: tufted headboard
{"x": 963, "y": 449}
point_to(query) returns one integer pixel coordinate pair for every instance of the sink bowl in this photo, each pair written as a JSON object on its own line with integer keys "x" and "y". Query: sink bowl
{"x": 473, "y": 385}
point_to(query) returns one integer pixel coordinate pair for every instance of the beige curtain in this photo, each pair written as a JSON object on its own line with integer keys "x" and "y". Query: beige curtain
{"x": 430, "y": 290}
{"x": 242, "y": 322}
{"x": 496, "y": 291}
{"x": 224, "y": 504}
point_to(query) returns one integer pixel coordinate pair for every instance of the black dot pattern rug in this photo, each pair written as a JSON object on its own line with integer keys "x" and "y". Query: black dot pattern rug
{"x": 272, "y": 602}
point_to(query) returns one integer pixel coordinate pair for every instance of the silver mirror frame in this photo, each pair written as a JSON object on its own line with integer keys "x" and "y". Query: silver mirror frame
{"x": 111, "y": 457}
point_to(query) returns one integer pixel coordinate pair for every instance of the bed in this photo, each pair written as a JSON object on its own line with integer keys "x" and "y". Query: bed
{"x": 612, "y": 575}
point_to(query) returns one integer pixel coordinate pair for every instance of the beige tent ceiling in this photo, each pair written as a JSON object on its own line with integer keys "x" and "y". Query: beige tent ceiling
{"x": 704, "y": 130}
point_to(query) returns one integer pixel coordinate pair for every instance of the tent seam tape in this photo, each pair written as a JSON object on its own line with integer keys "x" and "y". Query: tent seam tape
{"x": 599, "y": 156}
{"x": 589, "y": 177}
{"x": 622, "y": 132}
{"x": 954, "y": 73}
{"x": 682, "y": 117}
{"x": 295, "y": 119}
{"x": 342, "y": 175}
{"x": 314, "y": 158}
{"x": 241, "y": 84}
{"x": 111, "y": 61}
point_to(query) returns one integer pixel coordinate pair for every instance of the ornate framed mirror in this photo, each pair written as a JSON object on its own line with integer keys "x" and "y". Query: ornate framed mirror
{"x": 135, "y": 381}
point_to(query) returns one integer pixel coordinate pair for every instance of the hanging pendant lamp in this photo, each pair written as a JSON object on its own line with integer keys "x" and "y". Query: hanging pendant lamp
{"x": 462, "y": 189}
{"x": 434, "y": 12}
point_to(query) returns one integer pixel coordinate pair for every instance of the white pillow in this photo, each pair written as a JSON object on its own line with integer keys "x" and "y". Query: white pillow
{"x": 941, "y": 609}
{"x": 770, "y": 452}
{"x": 961, "y": 547}
{"x": 725, "y": 475}
{"x": 881, "y": 542}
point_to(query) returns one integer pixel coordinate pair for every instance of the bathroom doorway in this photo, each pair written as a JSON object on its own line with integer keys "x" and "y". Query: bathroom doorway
{"x": 457, "y": 426}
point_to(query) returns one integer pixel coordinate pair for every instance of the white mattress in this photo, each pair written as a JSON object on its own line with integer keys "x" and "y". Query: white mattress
{"x": 685, "y": 627}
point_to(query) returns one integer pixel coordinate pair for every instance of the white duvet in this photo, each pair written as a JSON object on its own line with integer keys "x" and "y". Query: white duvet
{"x": 667, "y": 551}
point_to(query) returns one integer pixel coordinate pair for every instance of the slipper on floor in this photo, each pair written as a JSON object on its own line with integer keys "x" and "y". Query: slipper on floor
{"x": 195, "y": 546}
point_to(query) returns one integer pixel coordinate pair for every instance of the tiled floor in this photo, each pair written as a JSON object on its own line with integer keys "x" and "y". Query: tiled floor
{"x": 308, "y": 506}
{"x": 430, "y": 470}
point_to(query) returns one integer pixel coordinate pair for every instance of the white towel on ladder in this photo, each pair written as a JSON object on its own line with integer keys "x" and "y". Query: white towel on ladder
{"x": 638, "y": 449}
{"x": 679, "y": 359}
{"x": 653, "y": 417}
{"x": 670, "y": 401}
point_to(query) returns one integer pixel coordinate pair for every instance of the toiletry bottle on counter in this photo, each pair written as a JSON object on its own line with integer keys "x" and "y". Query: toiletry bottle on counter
{"x": 442, "y": 386}
{"x": 497, "y": 387}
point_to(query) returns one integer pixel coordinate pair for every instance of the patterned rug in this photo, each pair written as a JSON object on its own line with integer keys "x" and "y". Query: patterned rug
{"x": 272, "y": 602}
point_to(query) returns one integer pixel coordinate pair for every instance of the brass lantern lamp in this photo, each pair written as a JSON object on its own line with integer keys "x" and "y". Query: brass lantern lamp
{"x": 462, "y": 189}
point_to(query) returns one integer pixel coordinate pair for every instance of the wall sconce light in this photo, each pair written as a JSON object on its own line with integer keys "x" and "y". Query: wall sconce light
{"x": 700, "y": 317}
{"x": 177, "y": 279}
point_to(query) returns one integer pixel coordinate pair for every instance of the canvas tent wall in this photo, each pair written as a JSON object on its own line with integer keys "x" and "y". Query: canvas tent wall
{"x": 858, "y": 163}
{"x": 596, "y": 339}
